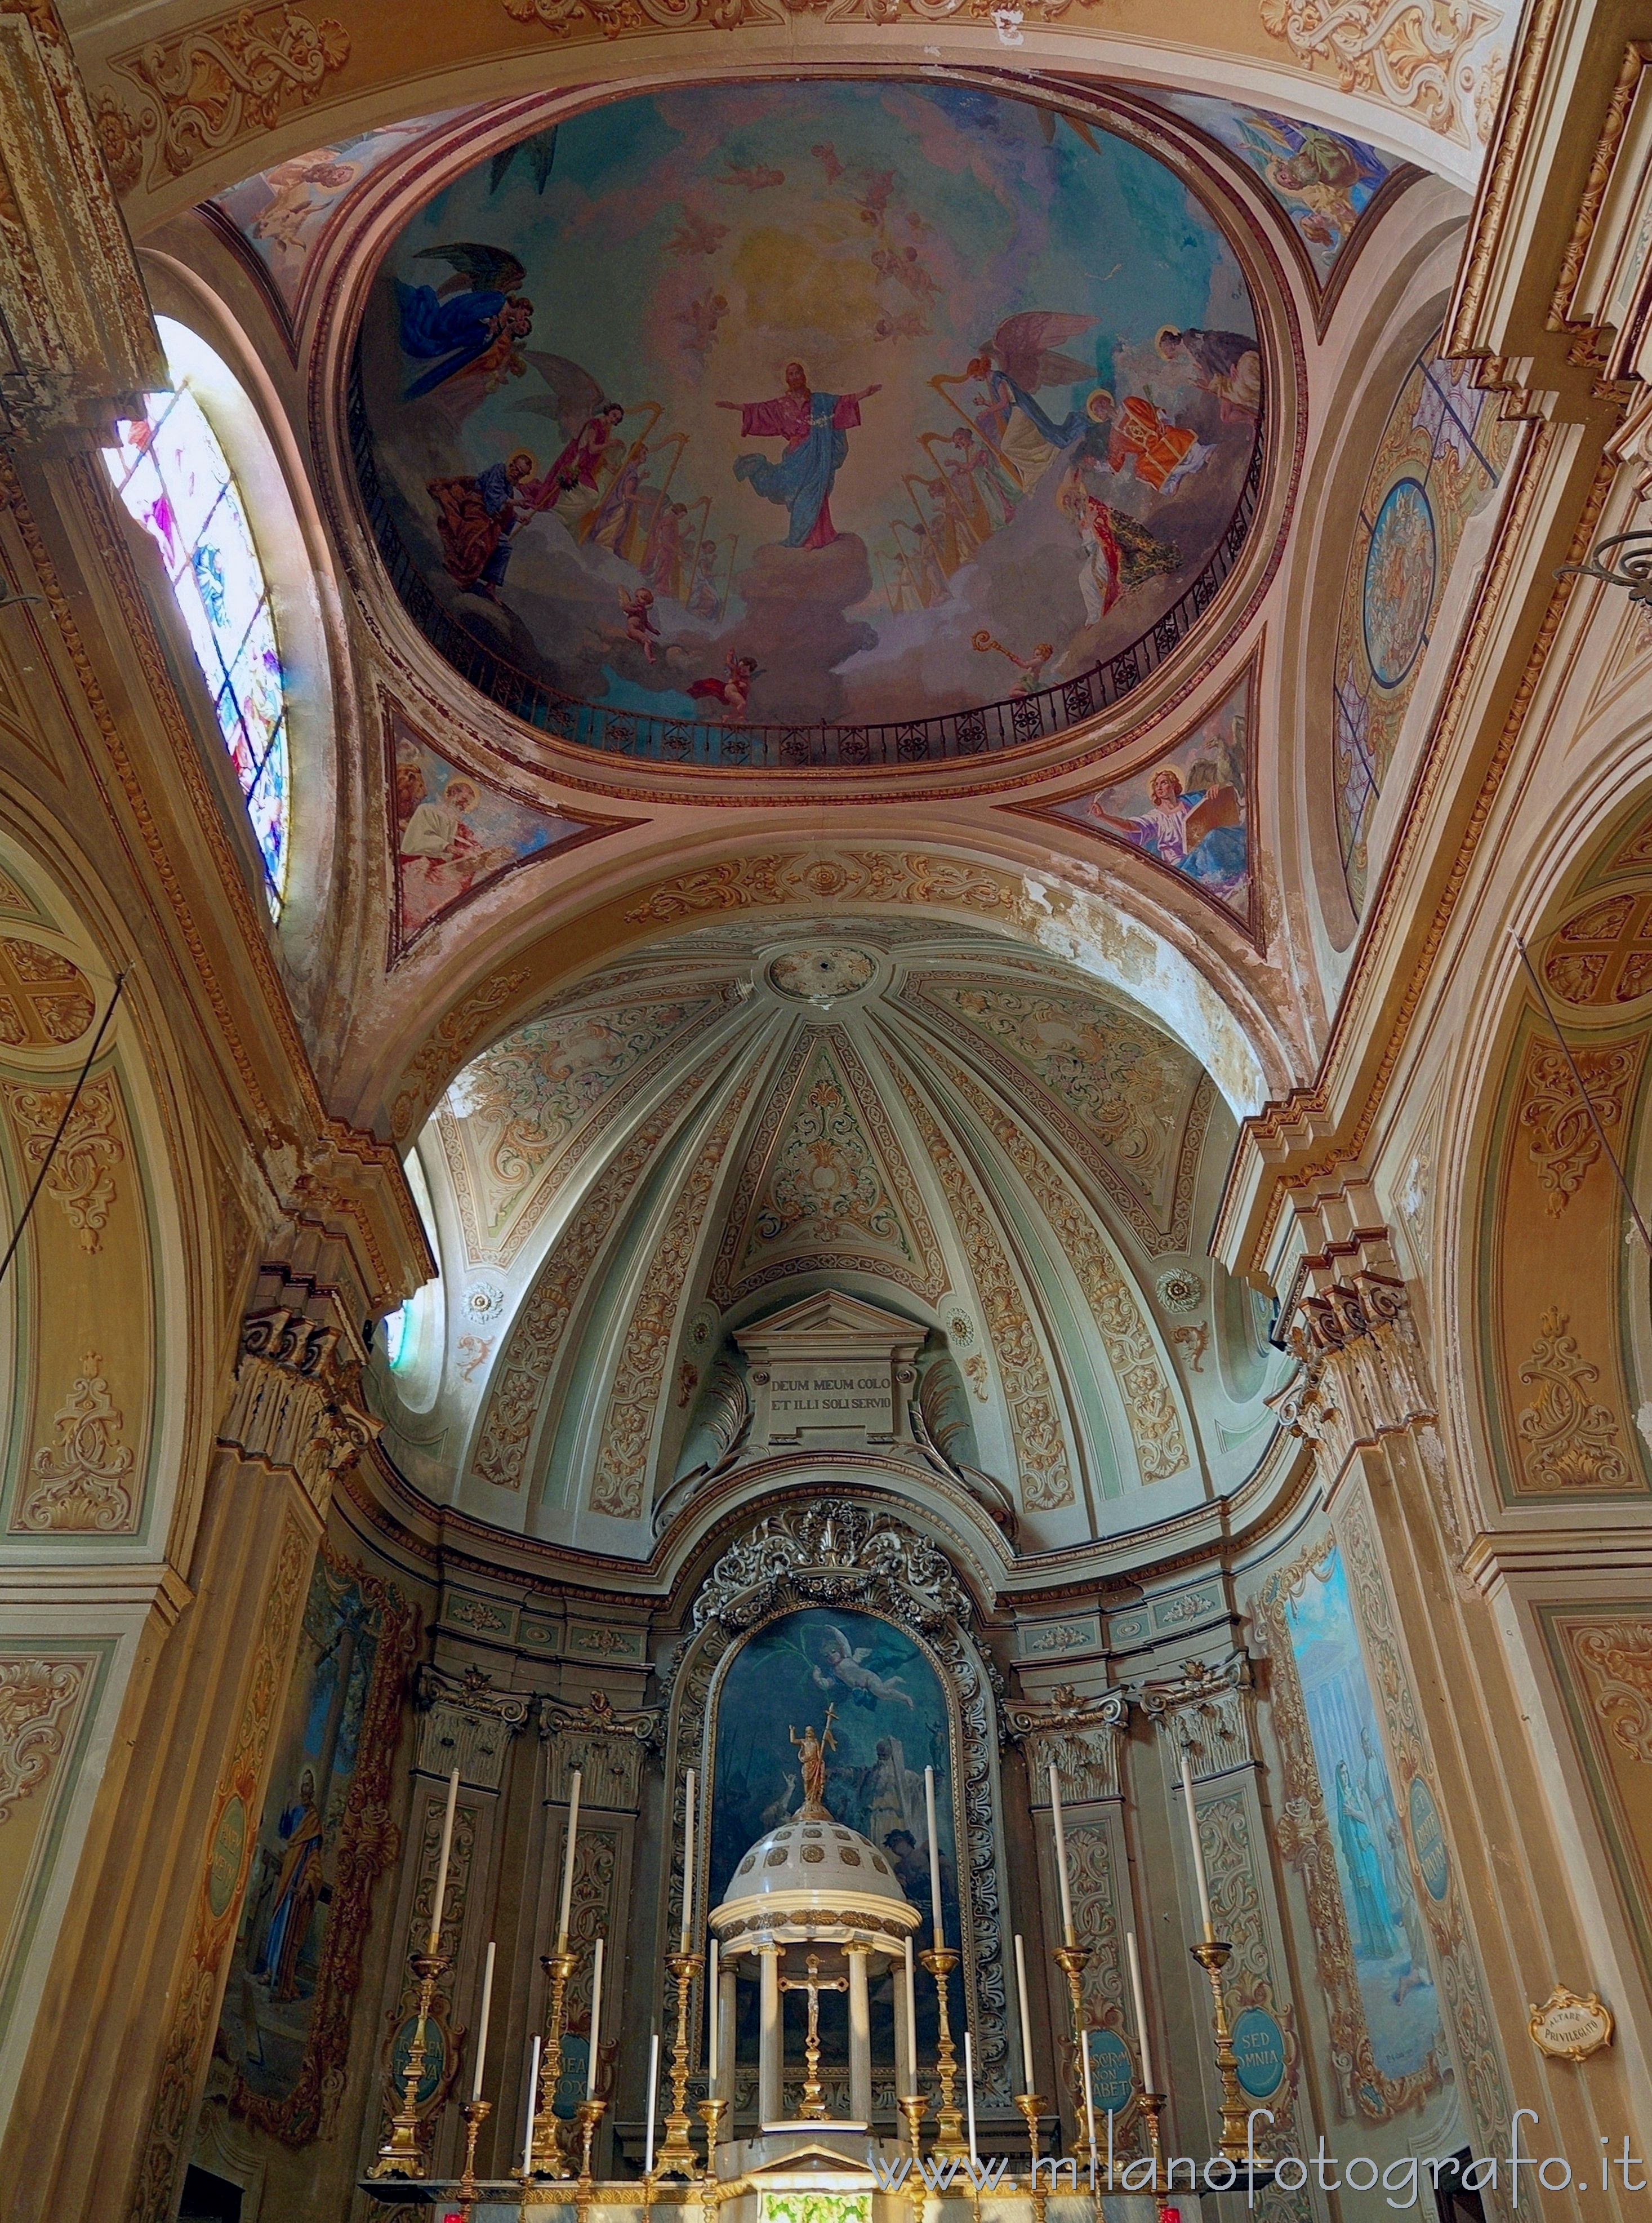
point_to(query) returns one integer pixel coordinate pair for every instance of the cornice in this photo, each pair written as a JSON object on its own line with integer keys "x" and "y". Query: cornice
{"x": 444, "y": 1541}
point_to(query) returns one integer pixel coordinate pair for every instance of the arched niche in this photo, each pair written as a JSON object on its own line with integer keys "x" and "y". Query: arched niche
{"x": 852, "y": 1555}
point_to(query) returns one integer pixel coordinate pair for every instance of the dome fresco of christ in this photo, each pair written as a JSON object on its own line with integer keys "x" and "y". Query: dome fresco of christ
{"x": 735, "y": 411}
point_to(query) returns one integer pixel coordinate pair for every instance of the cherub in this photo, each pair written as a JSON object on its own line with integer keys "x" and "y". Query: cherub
{"x": 753, "y": 176}
{"x": 700, "y": 319}
{"x": 865, "y": 1686}
{"x": 904, "y": 325}
{"x": 1030, "y": 667}
{"x": 734, "y": 691}
{"x": 826, "y": 156}
{"x": 873, "y": 203}
{"x": 303, "y": 189}
{"x": 639, "y": 622}
{"x": 696, "y": 235}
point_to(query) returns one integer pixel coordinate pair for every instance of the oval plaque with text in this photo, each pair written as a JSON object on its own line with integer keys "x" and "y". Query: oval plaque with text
{"x": 1258, "y": 2043}
{"x": 1428, "y": 1840}
{"x": 1112, "y": 2072}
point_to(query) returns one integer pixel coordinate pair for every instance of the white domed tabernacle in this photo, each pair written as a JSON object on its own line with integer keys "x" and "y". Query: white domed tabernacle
{"x": 811, "y": 1885}
{"x": 825, "y": 1112}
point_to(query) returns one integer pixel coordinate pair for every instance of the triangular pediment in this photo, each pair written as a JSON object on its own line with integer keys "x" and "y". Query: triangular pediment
{"x": 830, "y": 1317}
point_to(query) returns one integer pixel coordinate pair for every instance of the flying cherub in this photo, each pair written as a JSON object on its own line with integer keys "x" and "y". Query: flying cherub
{"x": 753, "y": 176}
{"x": 826, "y": 156}
{"x": 696, "y": 235}
{"x": 734, "y": 691}
{"x": 874, "y": 202}
{"x": 700, "y": 319}
{"x": 904, "y": 325}
{"x": 1026, "y": 347}
{"x": 863, "y": 1685}
{"x": 639, "y": 619}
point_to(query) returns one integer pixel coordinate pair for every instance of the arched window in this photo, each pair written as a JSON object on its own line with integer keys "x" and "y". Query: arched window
{"x": 172, "y": 473}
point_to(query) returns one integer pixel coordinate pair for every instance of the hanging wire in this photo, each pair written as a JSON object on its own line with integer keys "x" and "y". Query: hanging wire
{"x": 68, "y": 1114}
{"x": 1588, "y": 1100}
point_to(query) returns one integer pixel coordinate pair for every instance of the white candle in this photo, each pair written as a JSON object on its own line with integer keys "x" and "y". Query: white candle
{"x": 596, "y": 2020}
{"x": 1027, "y": 2020}
{"x": 1198, "y": 1850}
{"x": 711, "y": 2021}
{"x": 568, "y": 1843}
{"x": 912, "y": 2025}
{"x": 688, "y": 1863}
{"x": 1140, "y": 2006}
{"x": 653, "y": 2094}
{"x": 934, "y": 1857}
{"x": 439, "y": 1901}
{"x": 968, "y": 2092}
{"x": 1089, "y": 2107}
{"x": 1070, "y": 1934}
{"x": 482, "y": 2039}
{"x": 533, "y": 2102}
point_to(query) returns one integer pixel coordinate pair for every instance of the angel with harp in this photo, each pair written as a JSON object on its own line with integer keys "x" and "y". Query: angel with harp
{"x": 1024, "y": 356}
{"x": 474, "y": 323}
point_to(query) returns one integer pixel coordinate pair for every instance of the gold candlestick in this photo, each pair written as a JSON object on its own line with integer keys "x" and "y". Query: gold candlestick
{"x": 1213, "y": 1957}
{"x": 676, "y": 2158}
{"x": 914, "y": 2107}
{"x": 711, "y": 2190}
{"x": 588, "y": 2114}
{"x": 712, "y": 2112}
{"x": 1073, "y": 1960}
{"x": 1152, "y": 2102}
{"x": 549, "y": 2158}
{"x": 402, "y": 2153}
{"x": 1031, "y": 2106}
{"x": 940, "y": 1960}
{"x": 475, "y": 2112}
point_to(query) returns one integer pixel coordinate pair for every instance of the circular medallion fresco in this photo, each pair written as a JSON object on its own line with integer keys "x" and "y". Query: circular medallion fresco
{"x": 1399, "y": 581}
{"x": 789, "y": 425}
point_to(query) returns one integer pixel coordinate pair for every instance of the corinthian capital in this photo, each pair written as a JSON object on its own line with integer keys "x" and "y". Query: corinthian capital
{"x": 298, "y": 1402}
{"x": 1078, "y": 1736}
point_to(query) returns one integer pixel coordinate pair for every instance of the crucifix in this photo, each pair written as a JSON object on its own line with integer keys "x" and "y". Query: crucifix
{"x": 814, "y": 2107}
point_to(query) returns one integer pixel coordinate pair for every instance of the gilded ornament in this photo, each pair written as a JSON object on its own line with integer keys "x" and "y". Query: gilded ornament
{"x": 1407, "y": 55}
{"x": 1568, "y": 1440}
{"x": 84, "y": 1480}
{"x": 1571, "y": 2025}
{"x": 80, "y": 1175}
{"x": 619, "y": 1477}
{"x": 36, "y": 1695}
{"x": 218, "y": 82}
{"x": 1040, "y": 1446}
{"x": 530, "y": 1349}
{"x": 1150, "y": 1409}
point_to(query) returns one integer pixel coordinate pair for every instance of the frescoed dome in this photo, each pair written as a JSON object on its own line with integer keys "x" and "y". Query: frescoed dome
{"x": 851, "y": 424}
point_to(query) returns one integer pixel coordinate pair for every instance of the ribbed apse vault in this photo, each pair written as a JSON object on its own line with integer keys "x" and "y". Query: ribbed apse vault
{"x": 938, "y": 1123}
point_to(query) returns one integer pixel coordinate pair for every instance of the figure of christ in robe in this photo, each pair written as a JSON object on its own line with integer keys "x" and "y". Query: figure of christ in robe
{"x": 815, "y": 428}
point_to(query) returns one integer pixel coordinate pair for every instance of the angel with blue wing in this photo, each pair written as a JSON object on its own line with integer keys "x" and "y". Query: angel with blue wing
{"x": 475, "y": 322}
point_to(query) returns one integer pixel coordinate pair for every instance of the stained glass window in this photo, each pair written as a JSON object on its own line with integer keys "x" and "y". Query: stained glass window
{"x": 172, "y": 473}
